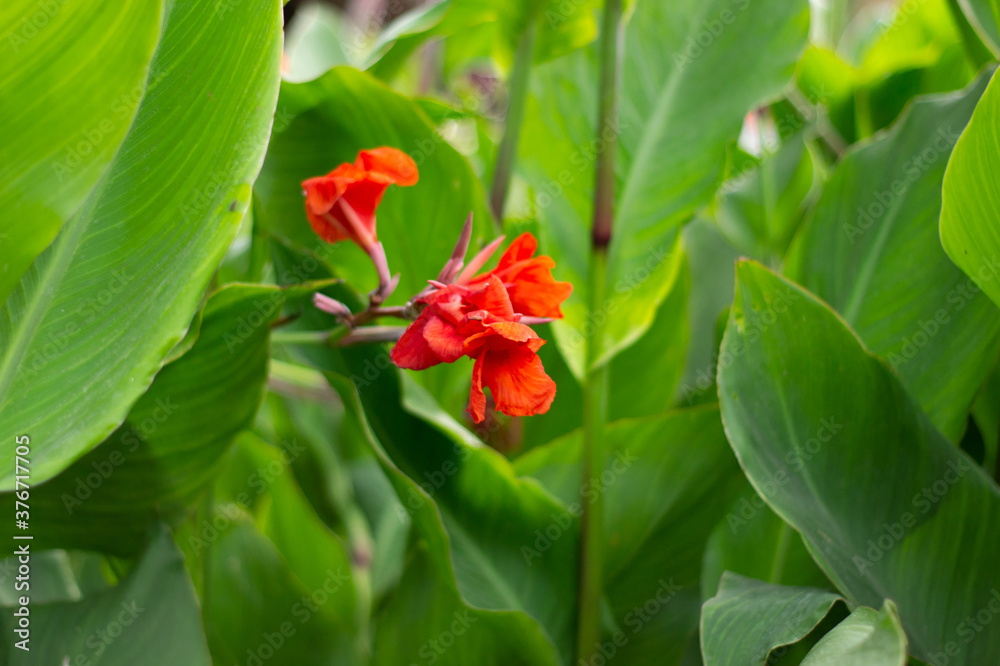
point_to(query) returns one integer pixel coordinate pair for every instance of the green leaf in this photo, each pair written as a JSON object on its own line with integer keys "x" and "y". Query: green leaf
{"x": 980, "y": 13}
{"x": 172, "y": 441}
{"x": 673, "y": 136}
{"x": 748, "y": 619}
{"x": 74, "y": 76}
{"x": 478, "y": 519}
{"x": 150, "y": 617}
{"x": 486, "y": 29}
{"x": 668, "y": 481}
{"x": 888, "y": 507}
{"x": 642, "y": 378}
{"x": 871, "y": 250}
{"x": 326, "y": 122}
{"x": 866, "y": 637}
{"x": 308, "y": 546}
{"x": 424, "y": 621}
{"x": 85, "y": 331}
{"x": 258, "y": 608}
{"x": 316, "y": 40}
{"x": 759, "y": 210}
{"x": 971, "y": 190}
{"x": 755, "y": 542}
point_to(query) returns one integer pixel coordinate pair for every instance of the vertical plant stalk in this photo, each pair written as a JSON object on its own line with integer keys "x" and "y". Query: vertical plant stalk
{"x": 517, "y": 99}
{"x": 595, "y": 381}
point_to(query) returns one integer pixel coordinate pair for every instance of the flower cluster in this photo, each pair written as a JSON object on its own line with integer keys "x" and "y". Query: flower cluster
{"x": 484, "y": 317}
{"x": 481, "y": 318}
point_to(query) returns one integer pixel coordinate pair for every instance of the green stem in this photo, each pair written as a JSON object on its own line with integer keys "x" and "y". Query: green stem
{"x": 607, "y": 119}
{"x": 592, "y": 520}
{"x": 300, "y": 337}
{"x": 206, "y": 563}
{"x": 516, "y": 102}
{"x": 595, "y": 381}
{"x": 863, "y": 125}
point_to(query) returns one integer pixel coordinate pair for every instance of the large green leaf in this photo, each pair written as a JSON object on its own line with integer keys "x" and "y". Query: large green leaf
{"x": 482, "y": 29}
{"x": 888, "y": 507}
{"x": 871, "y": 250}
{"x": 73, "y": 78}
{"x": 748, "y": 619}
{"x": 866, "y": 637}
{"x": 172, "y": 441}
{"x": 755, "y": 542}
{"x": 87, "y": 328}
{"x": 981, "y": 17}
{"x": 971, "y": 196}
{"x": 642, "y": 379}
{"x": 424, "y": 621}
{"x": 326, "y": 122}
{"x": 667, "y": 482}
{"x": 682, "y": 103}
{"x": 258, "y": 609}
{"x": 150, "y": 617}
{"x": 478, "y": 519}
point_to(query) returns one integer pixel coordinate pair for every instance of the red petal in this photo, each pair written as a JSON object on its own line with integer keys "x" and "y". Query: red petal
{"x": 390, "y": 165}
{"x": 518, "y": 381}
{"x": 492, "y": 297}
{"x": 522, "y": 248}
{"x": 477, "y": 399}
{"x": 444, "y": 339}
{"x": 511, "y": 330}
{"x": 412, "y": 350}
{"x": 534, "y": 292}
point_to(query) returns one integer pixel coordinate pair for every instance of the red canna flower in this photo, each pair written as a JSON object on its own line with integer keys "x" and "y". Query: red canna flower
{"x": 341, "y": 205}
{"x": 532, "y": 289}
{"x": 479, "y": 321}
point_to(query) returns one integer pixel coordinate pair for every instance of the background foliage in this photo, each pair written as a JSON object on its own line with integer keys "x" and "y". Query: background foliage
{"x": 797, "y": 334}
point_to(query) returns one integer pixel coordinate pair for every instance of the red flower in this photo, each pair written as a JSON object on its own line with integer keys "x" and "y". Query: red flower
{"x": 479, "y": 322}
{"x": 529, "y": 282}
{"x": 341, "y": 205}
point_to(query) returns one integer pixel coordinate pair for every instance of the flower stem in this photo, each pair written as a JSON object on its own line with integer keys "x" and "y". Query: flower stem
{"x": 592, "y": 521}
{"x": 612, "y": 37}
{"x": 516, "y": 102}
{"x": 595, "y": 382}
